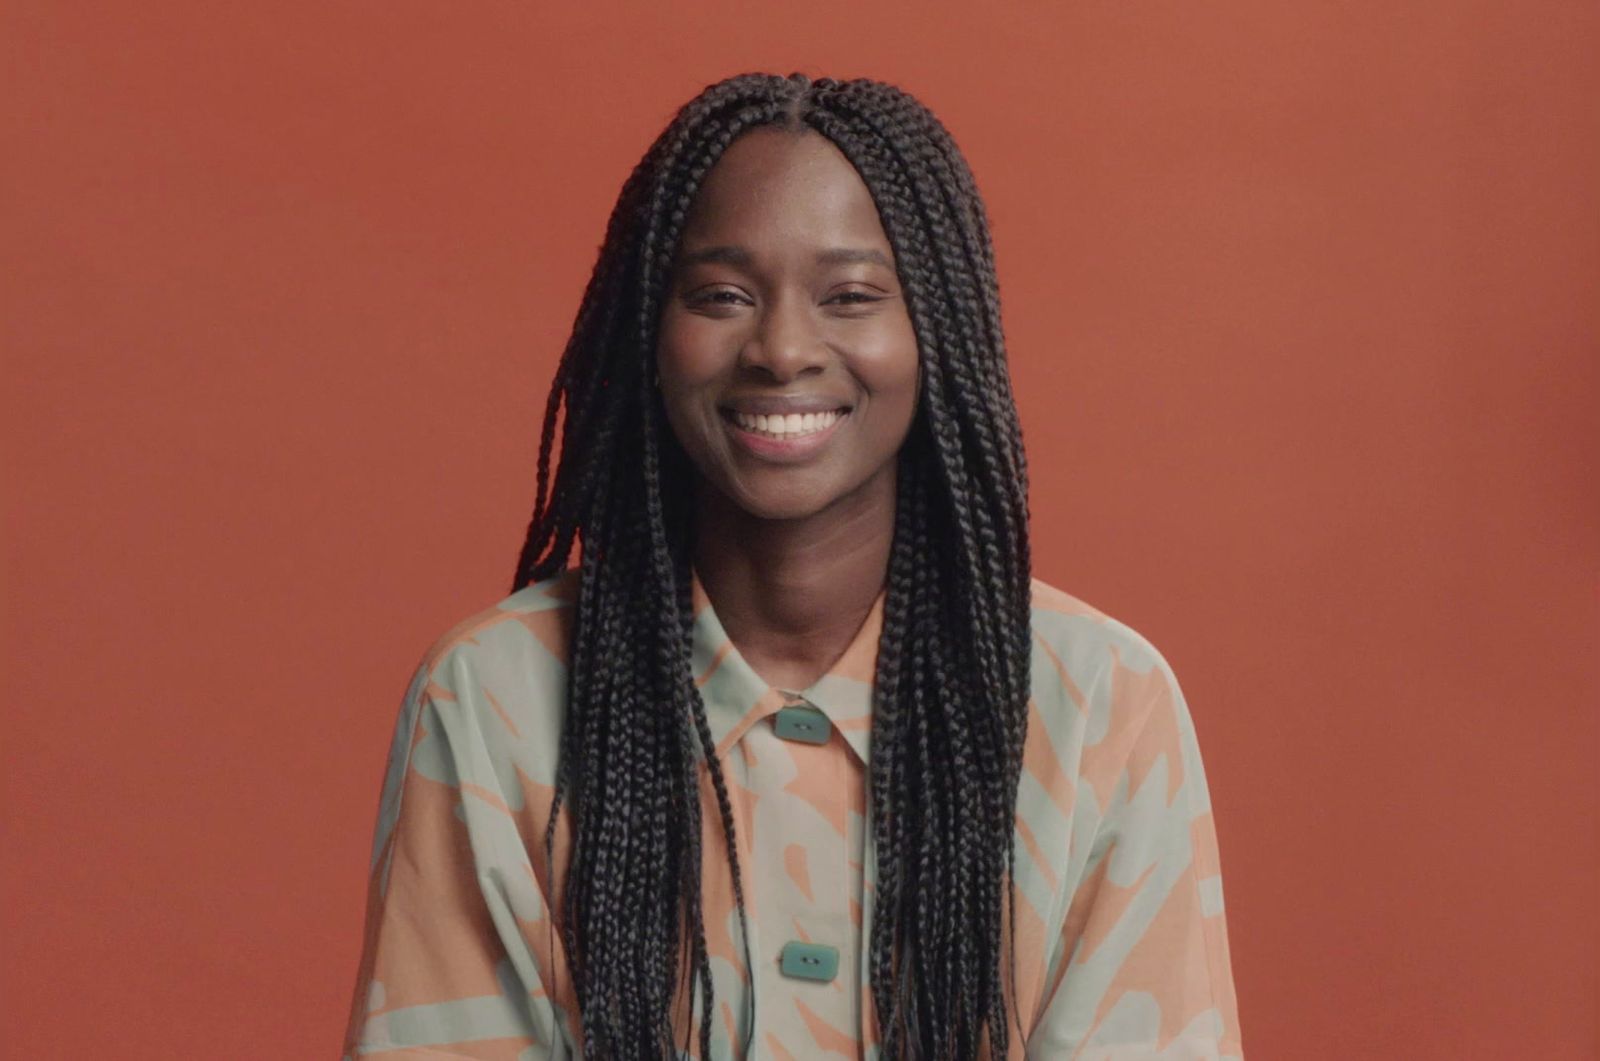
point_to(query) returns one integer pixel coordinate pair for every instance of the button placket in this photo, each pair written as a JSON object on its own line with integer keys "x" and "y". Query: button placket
{"x": 806, "y": 954}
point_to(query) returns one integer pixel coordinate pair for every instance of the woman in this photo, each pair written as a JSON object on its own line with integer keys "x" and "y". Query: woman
{"x": 800, "y": 759}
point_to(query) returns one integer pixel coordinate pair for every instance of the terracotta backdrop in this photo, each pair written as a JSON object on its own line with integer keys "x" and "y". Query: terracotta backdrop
{"x": 1301, "y": 302}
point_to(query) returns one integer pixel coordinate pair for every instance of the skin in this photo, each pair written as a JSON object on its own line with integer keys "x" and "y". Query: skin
{"x": 792, "y": 555}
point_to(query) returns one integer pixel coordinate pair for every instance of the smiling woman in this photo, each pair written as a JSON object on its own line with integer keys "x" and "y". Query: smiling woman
{"x": 800, "y": 760}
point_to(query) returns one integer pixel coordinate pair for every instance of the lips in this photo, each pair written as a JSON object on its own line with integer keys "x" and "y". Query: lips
{"x": 787, "y": 445}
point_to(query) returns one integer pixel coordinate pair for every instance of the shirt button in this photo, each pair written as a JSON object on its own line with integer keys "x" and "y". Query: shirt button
{"x": 809, "y": 961}
{"x": 802, "y": 722}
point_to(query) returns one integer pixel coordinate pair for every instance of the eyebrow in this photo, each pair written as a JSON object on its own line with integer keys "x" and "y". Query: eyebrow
{"x": 726, "y": 254}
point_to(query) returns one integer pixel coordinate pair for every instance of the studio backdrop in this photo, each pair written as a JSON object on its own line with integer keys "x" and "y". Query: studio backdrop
{"x": 1300, "y": 303}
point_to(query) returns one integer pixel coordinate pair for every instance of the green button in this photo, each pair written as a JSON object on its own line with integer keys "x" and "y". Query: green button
{"x": 802, "y": 723}
{"x": 809, "y": 961}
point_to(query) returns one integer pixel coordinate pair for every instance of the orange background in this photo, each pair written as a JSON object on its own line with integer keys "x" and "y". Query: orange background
{"x": 1301, "y": 302}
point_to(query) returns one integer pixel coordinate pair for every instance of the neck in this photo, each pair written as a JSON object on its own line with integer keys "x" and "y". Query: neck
{"x": 792, "y": 594}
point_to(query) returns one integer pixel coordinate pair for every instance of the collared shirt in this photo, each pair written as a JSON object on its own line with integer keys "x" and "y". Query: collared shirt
{"x": 1122, "y": 949}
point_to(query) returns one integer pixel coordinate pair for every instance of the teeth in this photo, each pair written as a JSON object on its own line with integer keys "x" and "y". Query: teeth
{"x": 794, "y": 425}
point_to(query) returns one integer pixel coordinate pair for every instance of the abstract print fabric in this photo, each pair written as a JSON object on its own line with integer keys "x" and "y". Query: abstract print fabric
{"x": 1122, "y": 949}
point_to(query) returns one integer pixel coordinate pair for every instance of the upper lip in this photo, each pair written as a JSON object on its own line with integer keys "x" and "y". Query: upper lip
{"x": 781, "y": 406}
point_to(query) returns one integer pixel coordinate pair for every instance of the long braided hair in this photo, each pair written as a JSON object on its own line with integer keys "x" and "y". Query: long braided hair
{"x": 952, "y": 678}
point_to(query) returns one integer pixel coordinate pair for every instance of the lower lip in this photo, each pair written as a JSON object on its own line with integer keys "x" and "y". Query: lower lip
{"x": 783, "y": 450}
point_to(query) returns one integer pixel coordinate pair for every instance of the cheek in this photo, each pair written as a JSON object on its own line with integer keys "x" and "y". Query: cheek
{"x": 683, "y": 369}
{"x": 690, "y": 349}
{"x": 685, "y": 419}
{"x": 890, "y": 366}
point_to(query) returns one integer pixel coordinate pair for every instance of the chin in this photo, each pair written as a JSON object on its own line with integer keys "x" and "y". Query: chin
{"x": 781, "y": 505}
{"x": 783, "y": 510}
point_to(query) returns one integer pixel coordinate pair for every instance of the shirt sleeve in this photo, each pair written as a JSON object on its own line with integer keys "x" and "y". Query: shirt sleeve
{"x": 1147, "y": 972}
{"x": 454, "y": 911}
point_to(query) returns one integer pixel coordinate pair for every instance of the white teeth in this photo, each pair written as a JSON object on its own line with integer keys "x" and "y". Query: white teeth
{"x": 794, "y": 425}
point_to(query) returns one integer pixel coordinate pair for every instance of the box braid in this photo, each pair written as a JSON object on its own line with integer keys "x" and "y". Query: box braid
{"x": 952, "y": 677}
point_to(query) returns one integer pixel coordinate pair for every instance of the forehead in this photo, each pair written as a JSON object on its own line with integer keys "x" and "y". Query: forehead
{"x": 771, "y": 183}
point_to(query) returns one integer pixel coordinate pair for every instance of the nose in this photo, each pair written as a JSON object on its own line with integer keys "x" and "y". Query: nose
{"x": 785, "y": 343}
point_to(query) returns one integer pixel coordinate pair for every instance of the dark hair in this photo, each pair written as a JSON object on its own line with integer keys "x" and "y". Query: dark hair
{"x": 952, "y": 678}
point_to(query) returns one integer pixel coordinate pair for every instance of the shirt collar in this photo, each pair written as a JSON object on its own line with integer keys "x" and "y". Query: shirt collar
{"x": 736, "y": 697}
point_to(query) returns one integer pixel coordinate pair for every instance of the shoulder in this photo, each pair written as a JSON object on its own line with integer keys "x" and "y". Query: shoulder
{"x": 486, "y": 700}
{"x": 1105, "y": 705}
{"x": 1085, "y": 642}
{"x": 528, "y": 627}
{"x": 1098, "y": 684}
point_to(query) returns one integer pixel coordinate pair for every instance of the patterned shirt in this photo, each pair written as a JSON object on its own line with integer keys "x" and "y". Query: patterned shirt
{"x": 1122, "y": 948}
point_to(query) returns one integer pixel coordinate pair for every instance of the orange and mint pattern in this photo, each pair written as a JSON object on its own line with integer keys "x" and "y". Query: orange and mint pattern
{"x": 1122, "y": 939}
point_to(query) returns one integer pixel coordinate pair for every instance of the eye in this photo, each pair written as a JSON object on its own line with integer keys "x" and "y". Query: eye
{"x": 721, "y": 296}
{"x": 854, "y": 298}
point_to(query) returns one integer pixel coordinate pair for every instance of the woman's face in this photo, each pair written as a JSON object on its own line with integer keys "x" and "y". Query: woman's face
{"x": 784, "y": 302}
